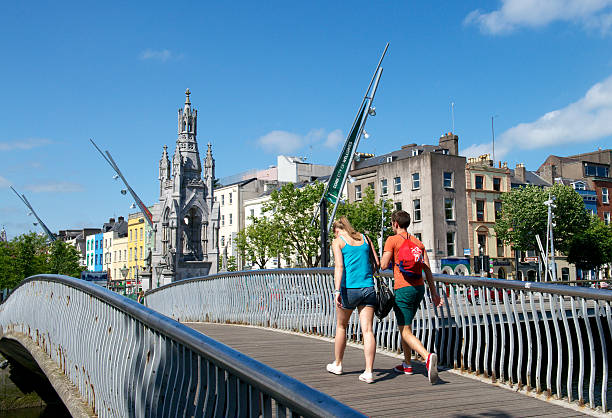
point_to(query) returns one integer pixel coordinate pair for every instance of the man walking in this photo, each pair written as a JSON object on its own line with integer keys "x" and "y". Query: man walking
{"x": 410, "y": 261}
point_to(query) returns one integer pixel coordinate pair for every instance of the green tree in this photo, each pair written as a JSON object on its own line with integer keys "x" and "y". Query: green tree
{"x": 591, "y": 248}
{"x": 366, "y": 216}
{"x": 261, "y": 241}
{"x": 64, "y": 259}
{"x": 231, "y": 264}
{"x": 292, "y": 209}
{"x": 524, "y": 215}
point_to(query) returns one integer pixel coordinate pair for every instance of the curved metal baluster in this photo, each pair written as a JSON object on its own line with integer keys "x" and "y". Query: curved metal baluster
{"x": 479, "y": 321}
{"x": 549, "y": 360}
{"x": 536, "y": 320}
{"x": 455, "y": 302}
{"x": 510, "y": 322}
{"x": 449, "y": 325}
{"x": 460, "y": 304}
{"x": 604, "y": 358}
{"x": 502, "y": 354}
{"x": 486, "y": 366}
{"x": 570, "y": 349}
{"x": 470, "y": 332}
{"x": 487, "y": 298}
{"x": 519, "y": 333}
{"x": 430, "y": 327}
{"x": 580, "y": 352}
{"x": 592, "y": 354}
{"x": 559, "y": 345}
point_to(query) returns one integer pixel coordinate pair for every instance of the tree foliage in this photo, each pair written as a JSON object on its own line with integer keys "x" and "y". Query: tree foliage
{"x": 261, "y": 241}
{"x": 30, "y": 254}
{"x": 524, "y": 215}
{"x": 291, "y": 210}
{"x": 591, "y": 248}
{"x": 366, "y": 216}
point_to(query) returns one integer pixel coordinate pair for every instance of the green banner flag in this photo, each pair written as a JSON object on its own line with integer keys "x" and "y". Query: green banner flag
{"x": 336, "y": 181}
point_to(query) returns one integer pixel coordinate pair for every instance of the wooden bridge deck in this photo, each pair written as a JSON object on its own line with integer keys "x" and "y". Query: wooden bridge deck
{"x": 391, "y": 394}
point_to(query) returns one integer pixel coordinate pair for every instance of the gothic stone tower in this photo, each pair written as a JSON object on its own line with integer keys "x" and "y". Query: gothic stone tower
{"x": 186, "y": 218}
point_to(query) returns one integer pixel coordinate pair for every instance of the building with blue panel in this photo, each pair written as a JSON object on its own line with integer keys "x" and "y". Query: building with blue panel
{"x": 90, "y": 252}
{"x": 98, "y": 252}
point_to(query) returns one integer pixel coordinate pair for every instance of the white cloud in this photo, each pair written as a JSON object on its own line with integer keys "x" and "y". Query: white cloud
{"x": 24, "y": 144}
{"x": 162, "y": 55}
{"x": 4, "y": 183}
{"x": 284, "y": 142}
{"x": 513, "y": 14}
{"x": 585, "y": 120}
{"x": 477, "y": 150}
{"x": 334, "y": 138}
{"x": 55, "y": 187}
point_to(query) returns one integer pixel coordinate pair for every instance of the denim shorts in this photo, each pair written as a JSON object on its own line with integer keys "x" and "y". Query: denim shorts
{"x": 352, "y": 298}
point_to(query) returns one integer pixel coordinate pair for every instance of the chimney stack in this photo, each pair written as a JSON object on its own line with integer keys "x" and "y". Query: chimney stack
{"x": 520, "y": 172}
{"x": 450, "y": 141}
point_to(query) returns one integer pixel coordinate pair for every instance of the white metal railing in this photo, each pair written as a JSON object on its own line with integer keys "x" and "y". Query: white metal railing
{"x": 549, "y": 338}
{"x": 126, "y": 360}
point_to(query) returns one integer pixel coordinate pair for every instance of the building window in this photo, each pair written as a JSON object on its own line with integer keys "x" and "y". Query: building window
{"x": 383, "y": 187}
{"x": 417, "y": 209}
{"x": 579, "y": 185}
{"x": 416, "y": 181}
{"x": 479, "y": 183}
{"x": 141, "y": 233}
{"x": 607, "y": 218}
{"x": 130, "y": 234}
{"x": 398, "y": 205}
{"x": 448, "y": 179}
{"x": 230, "y": 198}
{"x": 125, "y": 254}
{"x": 130, "y": 254}
{"x": 222, "y": 220}
{"x": 565, "y": 274}
{"x": 222, "y": 241}
{"x": 397, "y": 184}
{"x": 482, "y": 244}
{"x": 605, "y": 198}
{"x": 418, "y": 236}
{"x": 498, "y": 209}
{"x": 371, "y": 185}
{"x": 500, "y": 248}
{"x": 231, "y": 218}
{"x": 596, "y": 170}
{"x": 222, "y": 199}
{"x": 141, "y": 252}
{"x": 497, "y": 184}
{"x": 450, "y": 244}
{"x": 449, "y": 209}
{"x": 480, "y": 208}
{"x": 358, "y": 192}
{"x": 252, "y": 213}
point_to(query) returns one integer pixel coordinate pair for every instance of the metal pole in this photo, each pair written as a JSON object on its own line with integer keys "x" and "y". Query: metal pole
{"x": 324, "y": 233}
{"x": 493, "y": 135}
{"x": 29, "y": 206}
{"x": 370, "y": 100}
{"x": 382, "y": 229}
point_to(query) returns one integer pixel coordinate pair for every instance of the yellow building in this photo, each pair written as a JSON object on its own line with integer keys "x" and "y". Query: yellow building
{"x": 119, "y": 250}
{"x": 485, "y": 185}
{"x": 135, "y": 250}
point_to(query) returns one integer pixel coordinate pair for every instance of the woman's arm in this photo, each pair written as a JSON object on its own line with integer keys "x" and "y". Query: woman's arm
{"x": 338, "y": 269}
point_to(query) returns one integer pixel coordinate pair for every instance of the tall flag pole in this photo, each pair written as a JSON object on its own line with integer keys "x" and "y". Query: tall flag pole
{"x": 109, "y": 159}
{"x": 336, "y": 182}
{"x": 29, "y": 206}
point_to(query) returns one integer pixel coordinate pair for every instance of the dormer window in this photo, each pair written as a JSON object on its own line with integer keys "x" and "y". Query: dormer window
{"x": 578, "y": 185}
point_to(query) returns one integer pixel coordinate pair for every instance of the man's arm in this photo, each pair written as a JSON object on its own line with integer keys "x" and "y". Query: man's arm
{"x": 386, "y": 260}
{"x": 437, "y": 301}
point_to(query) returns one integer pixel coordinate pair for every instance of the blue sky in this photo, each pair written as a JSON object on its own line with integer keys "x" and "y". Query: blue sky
{"x": 283, "y": 77}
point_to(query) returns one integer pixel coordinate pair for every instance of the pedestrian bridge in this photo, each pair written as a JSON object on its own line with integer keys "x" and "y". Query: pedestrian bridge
{"x": 256, "y": 344}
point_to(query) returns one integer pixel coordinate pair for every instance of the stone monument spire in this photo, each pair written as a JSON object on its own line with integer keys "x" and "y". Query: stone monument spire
{"x": 186, "y": 142}
{"x": 164, "y": 169}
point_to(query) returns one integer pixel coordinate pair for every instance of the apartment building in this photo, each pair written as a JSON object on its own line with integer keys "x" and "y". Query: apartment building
{"x": 484, "y": 187}
{"x": 428, "y": 182}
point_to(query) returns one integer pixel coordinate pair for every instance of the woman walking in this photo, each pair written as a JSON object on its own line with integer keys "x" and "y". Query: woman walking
{"x": 354, "y": 288}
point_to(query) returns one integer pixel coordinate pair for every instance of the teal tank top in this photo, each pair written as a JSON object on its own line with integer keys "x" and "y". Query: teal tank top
{"x": 357, "y": 267}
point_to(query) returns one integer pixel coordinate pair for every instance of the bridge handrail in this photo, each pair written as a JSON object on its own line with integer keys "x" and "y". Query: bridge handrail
{"x": 272, "y": 384}
{"x": 513, "y": 332}
{"x": 542, "y": 287}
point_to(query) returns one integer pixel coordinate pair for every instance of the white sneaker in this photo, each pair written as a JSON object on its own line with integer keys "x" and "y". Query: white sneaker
{"x": 366, "y": 377}
{"x": 333, "y": 368}
{"x": 432, "y": 367}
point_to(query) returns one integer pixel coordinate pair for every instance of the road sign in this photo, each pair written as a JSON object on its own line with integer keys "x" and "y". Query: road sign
{"x": 467, "y": 251}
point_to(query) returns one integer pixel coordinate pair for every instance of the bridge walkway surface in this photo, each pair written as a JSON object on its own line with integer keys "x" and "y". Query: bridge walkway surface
{"x": 391, "y": 395}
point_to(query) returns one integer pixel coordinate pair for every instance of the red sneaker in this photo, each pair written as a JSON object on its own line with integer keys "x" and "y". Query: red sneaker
{"x": 432, "y": 367}
{"x": 403, "y": 368}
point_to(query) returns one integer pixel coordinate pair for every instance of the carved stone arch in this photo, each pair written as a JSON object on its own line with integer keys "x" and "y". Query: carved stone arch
{"x": 482, "y": 230}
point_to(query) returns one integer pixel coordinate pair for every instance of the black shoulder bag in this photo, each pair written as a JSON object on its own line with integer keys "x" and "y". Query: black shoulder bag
{"x": 384, "y": 295}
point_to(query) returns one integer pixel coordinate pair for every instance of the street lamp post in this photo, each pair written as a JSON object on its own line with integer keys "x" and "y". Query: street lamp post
{"x": 158, "y": 270}
{"x": 124, "y": 273}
